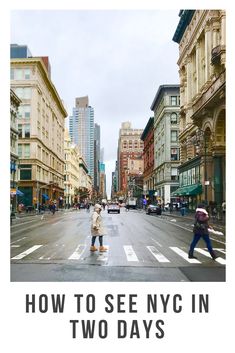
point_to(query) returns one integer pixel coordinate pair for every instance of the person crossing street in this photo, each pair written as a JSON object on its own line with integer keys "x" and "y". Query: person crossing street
{"x": 200, "y": 230}
{"x": 97, "y": 229}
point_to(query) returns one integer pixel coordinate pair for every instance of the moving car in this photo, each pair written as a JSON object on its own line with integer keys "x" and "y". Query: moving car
{"x": 154, "y": 209}
{"x": 112, "y": 207}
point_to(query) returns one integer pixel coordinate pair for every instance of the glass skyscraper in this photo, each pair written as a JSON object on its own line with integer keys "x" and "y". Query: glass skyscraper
{"x": 81, "y": 131}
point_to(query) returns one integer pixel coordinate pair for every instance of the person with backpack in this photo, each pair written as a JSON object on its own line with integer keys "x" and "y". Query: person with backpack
{"x": 200, "y": 230}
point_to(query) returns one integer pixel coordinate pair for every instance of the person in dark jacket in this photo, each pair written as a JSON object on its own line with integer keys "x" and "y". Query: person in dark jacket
{"x": 200, "y": 230}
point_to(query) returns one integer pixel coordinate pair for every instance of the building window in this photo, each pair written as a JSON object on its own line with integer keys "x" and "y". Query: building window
{"x": 173, "y": 100}
{"x": 27, "y": 109}
{"x": 27, "y": 150}
{"x": 27, "y": 131}
{"x": 174, "y": 174}
{"x": 18, "y": 74}
{"x": 27, "y": 74}
{"x": 25, "y": 172}
{"x": 19, "y": 149}
{"x": 12, "y": 74}
{"x": 174, "y": 135}
{"x": 174, "y": 119}
{"x": 24, "y": 112}
{"x": 197, "y": 174}
{"x": 20, "y": 130}
{"x": 23, "y": 92}
{"x": 174, "y": 154}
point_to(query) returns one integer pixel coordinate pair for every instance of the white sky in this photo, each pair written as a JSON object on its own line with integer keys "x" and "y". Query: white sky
{"x": 116, "y": 57}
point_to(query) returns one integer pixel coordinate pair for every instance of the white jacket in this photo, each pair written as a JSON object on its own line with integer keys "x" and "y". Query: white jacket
{"x": 97, "y": 224}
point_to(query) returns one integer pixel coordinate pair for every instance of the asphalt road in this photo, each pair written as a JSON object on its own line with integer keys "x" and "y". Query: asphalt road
{"x": 140, "y": 248}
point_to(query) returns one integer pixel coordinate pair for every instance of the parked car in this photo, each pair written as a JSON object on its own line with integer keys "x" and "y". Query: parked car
{"x": 112, "y": 207}
{"x": 154, "y": 209}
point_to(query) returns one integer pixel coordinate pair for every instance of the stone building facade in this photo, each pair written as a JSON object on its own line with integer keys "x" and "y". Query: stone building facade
{"x": 148, "y": 157}
{"x": 14, "y": 106}
{"x": 41, "y": 131}
{"x": 166, "y": 145}
{"x": 130, "y": 155}
{"x": 201, "y": 35}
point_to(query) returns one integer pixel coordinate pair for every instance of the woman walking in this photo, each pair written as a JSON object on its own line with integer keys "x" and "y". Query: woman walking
{"x": 200, "y": 230}
{"x": 97, "y": 229}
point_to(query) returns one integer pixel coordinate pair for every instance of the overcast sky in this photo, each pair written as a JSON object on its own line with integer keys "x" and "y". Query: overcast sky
{"x": 116, "y": 57}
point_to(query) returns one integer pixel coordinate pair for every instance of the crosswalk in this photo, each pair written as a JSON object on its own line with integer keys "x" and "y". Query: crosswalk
{"x": 130, "y": 255}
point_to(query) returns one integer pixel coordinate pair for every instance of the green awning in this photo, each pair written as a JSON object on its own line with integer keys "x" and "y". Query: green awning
{"x": 190, "y": 190}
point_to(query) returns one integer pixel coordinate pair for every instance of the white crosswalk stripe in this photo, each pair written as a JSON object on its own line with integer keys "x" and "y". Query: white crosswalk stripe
{"x": 159, "y": 256}
{"x": 130, "y": 254}
{"x": 206, "y": 253}
{"x": 26, "y": 252}
{"x": 184, "y": 255}
{"x": 77, "y": 253}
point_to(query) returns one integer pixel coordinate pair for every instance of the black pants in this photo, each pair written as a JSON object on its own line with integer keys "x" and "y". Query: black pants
{"x": 94, "y": 238}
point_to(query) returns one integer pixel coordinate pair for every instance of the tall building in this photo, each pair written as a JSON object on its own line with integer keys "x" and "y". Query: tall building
{"x": 130, "y": 155}
{"x": 165, "y": 106}
{"x": 114, "y": 186}
{"x": 202, "y": 67}
{"x": 41, "y": 130}
{"x": 20, "y": 51}
{"x": 148, "y": 156}
{"x": 81, "y": 130}
{"x": 96, "y": 157}
{"x": 103, "y": 193}
{"x": 71, "y": 171}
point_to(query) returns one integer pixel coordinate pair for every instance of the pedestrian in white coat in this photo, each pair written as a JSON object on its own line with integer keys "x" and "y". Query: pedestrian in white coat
{"x": 97, "y": 229}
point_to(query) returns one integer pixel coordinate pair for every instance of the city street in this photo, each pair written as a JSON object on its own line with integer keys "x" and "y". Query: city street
{"x": 140, "y": 248}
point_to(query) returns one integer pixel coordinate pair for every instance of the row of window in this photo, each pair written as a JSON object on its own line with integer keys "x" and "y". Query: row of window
{"x": 23, "y": 92}
{"x": 160, "y": 175}
{"x": 20, "y": 74}
{"x": 190, "y": 177}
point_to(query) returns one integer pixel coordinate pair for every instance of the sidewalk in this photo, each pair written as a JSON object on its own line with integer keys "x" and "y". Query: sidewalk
{"x": 35, "y": 213}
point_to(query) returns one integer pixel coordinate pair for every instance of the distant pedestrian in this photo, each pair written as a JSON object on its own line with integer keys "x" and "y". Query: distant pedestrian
{"x": 214, "y": 213}
{"x": 88, "y": 207}
{"x": 200, "y": 230}
{"x": 53, "y": 207}
{"x": 97, "y": 229}
{"x": 223, "y": 210}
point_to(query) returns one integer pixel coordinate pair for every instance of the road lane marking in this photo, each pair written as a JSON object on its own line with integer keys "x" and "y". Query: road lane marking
{"x": 218, "y": 241}
{"x": 130, "y": 254}
{"x": 16, "y": 241}
{"x": 15, "y": 246}
{"x": 220, "y": 250}
{"x": 159, "y": 256}
{"x": 184, "y": 255}
{"x": 77, "y": 253}
{"x": 27, "y": 252}
{"x": 22, "y": 224}
{"x": 206, "y": 253}
{"x": 155, "y": 241}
